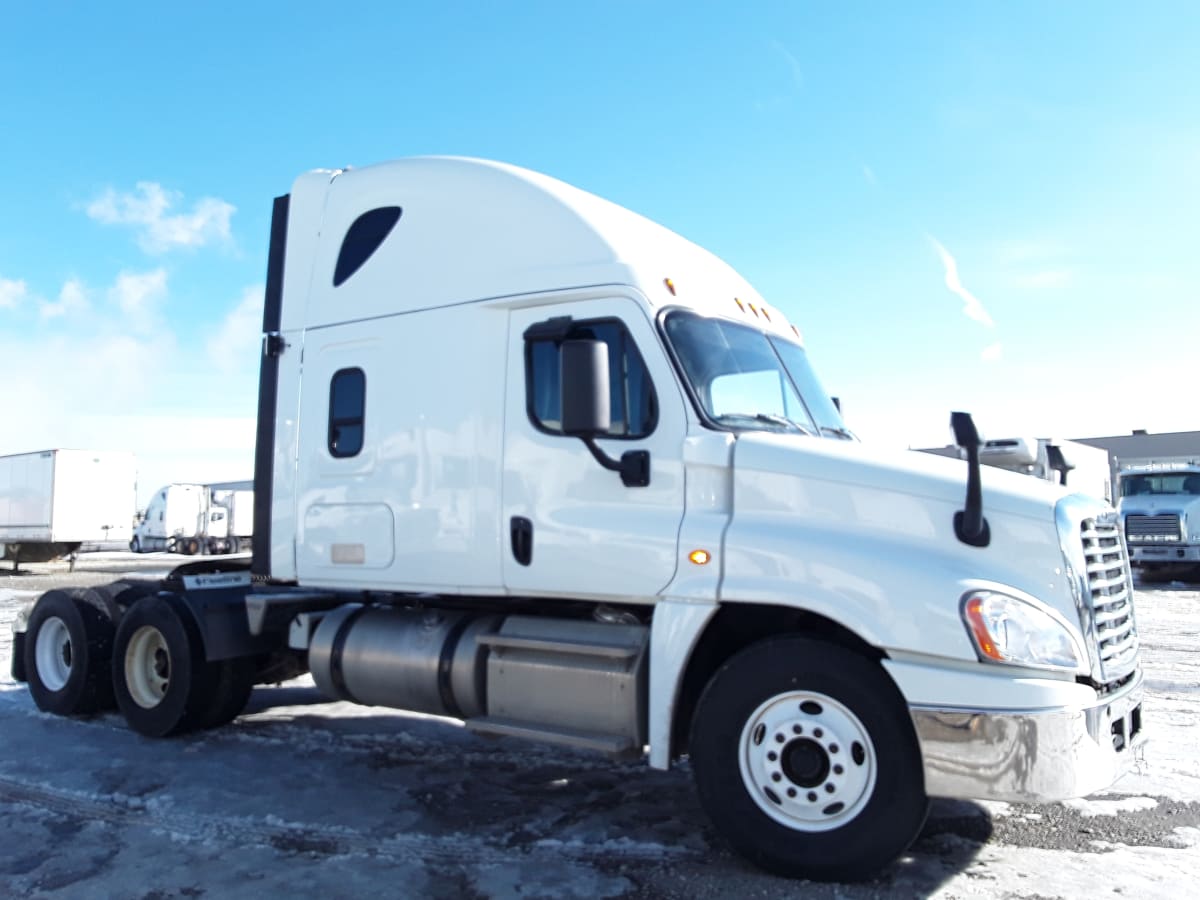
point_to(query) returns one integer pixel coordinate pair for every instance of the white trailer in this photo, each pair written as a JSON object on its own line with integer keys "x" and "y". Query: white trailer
{"x": 197, "y": 518}
{"x": 54, "y": 501}
{"x": 1081, "y": 467}
{"x": 527, "y": 459}
{"x": 1160, "y": 515}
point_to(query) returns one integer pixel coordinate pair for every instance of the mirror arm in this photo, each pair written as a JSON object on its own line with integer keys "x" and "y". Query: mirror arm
{"x": 970, "y": 526}
{"x": 634, "y": 465}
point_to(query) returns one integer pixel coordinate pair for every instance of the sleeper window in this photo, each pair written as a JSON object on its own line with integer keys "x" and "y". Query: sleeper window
{"x": 347, "y": 407}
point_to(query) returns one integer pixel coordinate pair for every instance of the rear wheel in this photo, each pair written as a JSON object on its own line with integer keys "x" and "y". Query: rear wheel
{"x": 67, "y": 649}
{"x": 159, "y": 675}
{"x": 231, "y": 681}
{"x": 806, "y": 760}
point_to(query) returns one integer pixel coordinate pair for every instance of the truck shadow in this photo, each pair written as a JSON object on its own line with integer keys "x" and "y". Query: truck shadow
{"x": 614, "y": 816}
{"x": 1173, "y": 586}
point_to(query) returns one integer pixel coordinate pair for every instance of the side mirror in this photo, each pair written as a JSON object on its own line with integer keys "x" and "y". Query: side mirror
{"x": 586, "y": 405}
{"x": 970, "y": 526}
{"x": 587, "y": 408}
{"x": 1058, "y": 462}
{"x": 966, "y": 435}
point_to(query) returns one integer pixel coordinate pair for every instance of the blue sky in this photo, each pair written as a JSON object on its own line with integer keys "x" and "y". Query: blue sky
{"x": 843, "y": 157}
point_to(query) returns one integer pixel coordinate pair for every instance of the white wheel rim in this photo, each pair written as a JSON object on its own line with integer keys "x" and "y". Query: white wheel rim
{"x": 147, "y": 667}
{"x": 54, "y": 653}
{"x": 807, "y": 761}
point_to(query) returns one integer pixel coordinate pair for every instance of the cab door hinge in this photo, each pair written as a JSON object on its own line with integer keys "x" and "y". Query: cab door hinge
{"x": 273, "y": 345}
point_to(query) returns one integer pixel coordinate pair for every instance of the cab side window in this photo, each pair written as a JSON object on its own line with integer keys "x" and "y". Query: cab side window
{"x": 347, "y": 409}
{"x": 633, "y": 402}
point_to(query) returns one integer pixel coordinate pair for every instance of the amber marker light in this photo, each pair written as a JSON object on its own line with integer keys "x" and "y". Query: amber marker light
{"x": 983, "y": 639}
{"x": 670, "y": 285}
{"x": 700, "y": 557}
{"x": 741, "y": 305}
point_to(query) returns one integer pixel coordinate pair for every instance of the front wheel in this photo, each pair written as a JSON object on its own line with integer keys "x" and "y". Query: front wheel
{"x": 806, "y": 760}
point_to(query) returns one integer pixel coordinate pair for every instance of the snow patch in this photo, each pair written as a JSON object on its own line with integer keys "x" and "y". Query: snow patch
{"x": 1092, "y": 808}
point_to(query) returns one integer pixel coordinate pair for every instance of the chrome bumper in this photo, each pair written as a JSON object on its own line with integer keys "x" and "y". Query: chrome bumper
{"x": 1164, "y": 553}
{"x": 1032, "y": 756}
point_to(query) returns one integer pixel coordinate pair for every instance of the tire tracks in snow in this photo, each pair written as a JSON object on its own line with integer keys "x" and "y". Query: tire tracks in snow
{"x": 124, "y": 812}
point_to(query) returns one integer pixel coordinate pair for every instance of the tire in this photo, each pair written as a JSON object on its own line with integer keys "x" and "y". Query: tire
{"x": 159, "y": 675}
{"x": 1156, "y": 575}
{"x": 191, "y": 547}
{"x": 114, "y": 598}
{"x": 67, "y": 653}
{"x": 135, "y": 546}
{"x": 231, "y": 681}
{"x": 805, "y": 759}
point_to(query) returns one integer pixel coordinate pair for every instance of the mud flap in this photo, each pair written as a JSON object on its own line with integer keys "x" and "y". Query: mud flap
{"x": 18, "y": 657}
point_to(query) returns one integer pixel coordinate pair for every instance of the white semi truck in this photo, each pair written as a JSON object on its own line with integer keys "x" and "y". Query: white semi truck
{"x": 1160, "y": 516}
{"x": 197, "y": 518}
{"x": 54, "y": 501}
{"x": 529, "y": 460}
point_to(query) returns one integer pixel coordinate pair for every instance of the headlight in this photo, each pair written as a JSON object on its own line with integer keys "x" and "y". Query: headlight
{"x": 1007, "y": 630}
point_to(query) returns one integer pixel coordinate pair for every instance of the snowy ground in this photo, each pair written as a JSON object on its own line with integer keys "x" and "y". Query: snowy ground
{"x": 310, "y": 798}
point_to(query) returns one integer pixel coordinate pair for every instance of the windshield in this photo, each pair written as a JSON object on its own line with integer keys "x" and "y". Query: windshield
{"x": 1162, "y": 483}
{"x": 744, "y": 378}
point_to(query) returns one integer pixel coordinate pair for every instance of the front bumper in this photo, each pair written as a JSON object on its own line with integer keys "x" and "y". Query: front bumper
{"x": 1164, "y": 553}
{"x": 1031, "y": 756}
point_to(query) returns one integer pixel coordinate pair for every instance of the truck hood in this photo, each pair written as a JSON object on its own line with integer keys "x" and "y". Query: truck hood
{"x": 925, "y": 475}
{"x": 1153, "y": 504}
{"x": 865, "y": 537}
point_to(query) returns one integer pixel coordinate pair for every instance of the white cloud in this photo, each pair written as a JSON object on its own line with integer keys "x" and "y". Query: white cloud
{"x": 137, "y": 293}
{"x": 146, "y": 209}
{"x": 11, "y": 292}
{"x": 234, "y": 347}
{"x": 72, "y": 299}
{"x": 992, "y": 352}
{"x": 972, "y": 307}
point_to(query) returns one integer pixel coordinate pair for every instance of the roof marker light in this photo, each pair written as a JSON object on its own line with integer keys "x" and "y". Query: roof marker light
{"x": 766, "y": 315}
{"x": 754, "y": 310}
{"x": 670, "y": 285}
{"x": 741, "y": 305}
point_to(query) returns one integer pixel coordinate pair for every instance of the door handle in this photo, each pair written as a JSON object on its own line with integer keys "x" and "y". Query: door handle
{"x": 522, "y": 540}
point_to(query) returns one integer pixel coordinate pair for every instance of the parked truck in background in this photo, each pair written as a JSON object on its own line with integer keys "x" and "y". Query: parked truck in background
{"x": 1082, "y": 468}
{"x": 529, "y": 460}
{"x": 54, "y": 501}
{"x": 1160, "y": 515}
{"x": 1086, "y": 470}
{"x": 197, "y": 518}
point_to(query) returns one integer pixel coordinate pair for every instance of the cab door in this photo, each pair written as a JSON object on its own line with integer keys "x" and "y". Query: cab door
{"x": 572, "y": 527}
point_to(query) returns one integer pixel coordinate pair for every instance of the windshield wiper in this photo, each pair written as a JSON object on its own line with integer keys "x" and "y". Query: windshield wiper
{"x": 839, "y": 432}
{"x": 769, "y": 418}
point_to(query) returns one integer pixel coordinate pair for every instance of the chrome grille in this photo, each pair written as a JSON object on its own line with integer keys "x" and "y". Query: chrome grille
{"x": 1165, "y": 527}
{"x": 1111, "y": 592}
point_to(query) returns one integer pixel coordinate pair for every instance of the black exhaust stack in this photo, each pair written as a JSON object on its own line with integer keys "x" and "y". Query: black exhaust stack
{"x": 268, "y": 386}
